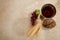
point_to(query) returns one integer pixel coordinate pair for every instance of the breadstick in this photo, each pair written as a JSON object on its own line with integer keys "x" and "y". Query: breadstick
{"x": 39, "y": 29}
{"x": 31, "y": 30}
{"x": 34, "y": 30}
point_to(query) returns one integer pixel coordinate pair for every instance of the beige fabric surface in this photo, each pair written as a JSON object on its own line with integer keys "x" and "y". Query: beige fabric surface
{"x": 15, "y": 19}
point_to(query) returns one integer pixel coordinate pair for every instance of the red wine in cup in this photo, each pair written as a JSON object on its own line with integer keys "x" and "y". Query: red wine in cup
{"x": 48, "y": 10}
